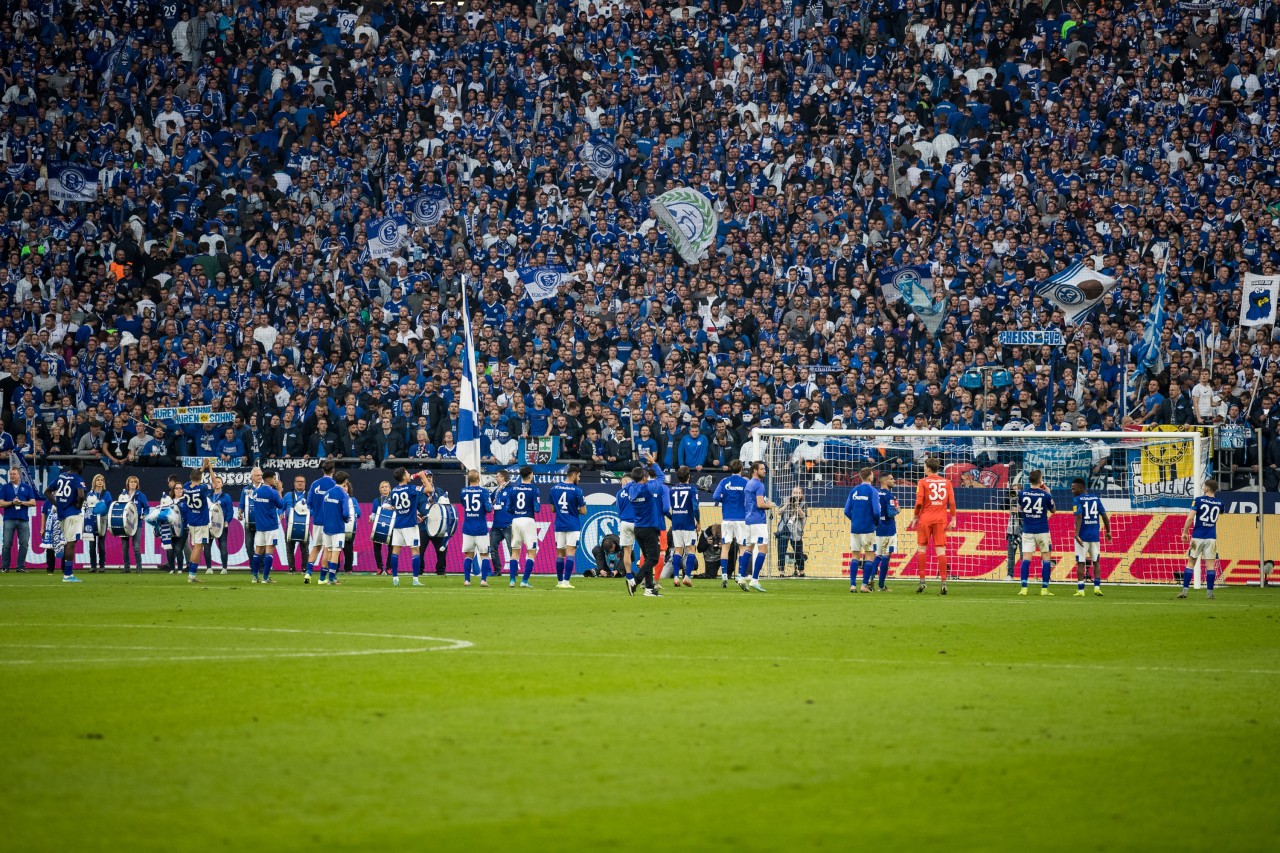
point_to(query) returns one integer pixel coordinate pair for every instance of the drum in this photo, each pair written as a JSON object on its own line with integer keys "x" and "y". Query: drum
{"x": 354, "y": 514}
{"x": 296, "y": 522}
{"x": 442, "y": 520}
{"x": 217, "y": 521}
{"x": 122, "y": 518}
{"x": 384, "y": 519}
{"x": 166, "y": 516}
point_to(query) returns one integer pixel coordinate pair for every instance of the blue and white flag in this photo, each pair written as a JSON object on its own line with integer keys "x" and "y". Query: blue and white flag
{"x": 192, "y": 415}
{"x": 689, "y": 221}
{"x": 1258, "y": 300}
{"x": 1146, "y": 350}
{"x": 601, "y": 156}
{"x": 428, "y": 207}
{"x": 913, "y": 284}
{"x": 385, "y": 236}
{"x": 544, "y": 282}
{"x": 72, "y": 183}
{"x": 468, "y": 437}
{"x": 1075, "y": 291}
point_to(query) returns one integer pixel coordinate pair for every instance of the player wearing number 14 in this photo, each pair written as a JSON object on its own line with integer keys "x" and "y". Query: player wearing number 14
{"x": 1202, "y": 524}
{"x": 1091, "y": 519}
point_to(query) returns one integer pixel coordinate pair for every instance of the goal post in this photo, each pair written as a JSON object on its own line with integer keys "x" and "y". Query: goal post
{"x": 1146, "y": 480}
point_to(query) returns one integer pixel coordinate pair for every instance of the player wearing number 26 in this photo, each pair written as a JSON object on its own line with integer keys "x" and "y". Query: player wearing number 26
{"x": 934, "y": 515}
{"x": 1202, "y": 524}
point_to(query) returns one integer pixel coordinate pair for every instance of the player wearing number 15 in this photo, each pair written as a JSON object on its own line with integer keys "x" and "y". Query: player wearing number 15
{"x": 1202, "y": 524}
{"x": 476, "y": 505}
{"x": 862, "y": 508}
{"x": 1035, "y": 505}
{"x": 935, "y": 514}
{"x": 1091, "y": 519}
{"x": 571, "y": 505}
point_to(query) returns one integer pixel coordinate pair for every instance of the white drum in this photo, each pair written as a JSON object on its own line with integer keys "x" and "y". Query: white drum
{"x": 122, "y": 518}
{"x": 442, "y": 520}
{"x": 217, "y": 521}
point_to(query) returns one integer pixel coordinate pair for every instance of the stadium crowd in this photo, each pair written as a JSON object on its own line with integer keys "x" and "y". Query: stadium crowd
{"x": 242, "y": 148}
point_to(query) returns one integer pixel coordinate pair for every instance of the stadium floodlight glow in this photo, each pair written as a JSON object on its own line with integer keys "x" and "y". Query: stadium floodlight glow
{"x": 1146, "y": 480}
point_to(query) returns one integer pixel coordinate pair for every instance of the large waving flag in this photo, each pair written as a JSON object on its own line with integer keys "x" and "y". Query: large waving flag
{"x": 544, "y": 282}
{"x": 602, "y": 157}
{"x": 385, "y": 237}
{"x": 468, "y": 437}
{"x": 428, "y": 207}
{"x": 1258, "y": 300}
{"x": 1146, "y": 351}
{"x": 913, "y": 284}
{"x": 72, "y": 183}
{"x": 1075, "y": 290}
{"x": 689, "y": 220}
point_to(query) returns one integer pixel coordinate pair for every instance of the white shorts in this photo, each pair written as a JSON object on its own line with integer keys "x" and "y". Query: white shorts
{"x": 524, "y": 534}
{"x": 1036, "y": 542}
{"x": 734, "y": 531}
{"x": 197, "y": 535}
{"x": 862, "y": 542}
{"x": 72, "y": 528}
{"x": 315, "y": 531}
{"x": 333, "y": 541}
{"x": 1086, "y": 551}
{"x": 1204, "y": 548}
{"x": 627, "y": 533}
{"x": 568, "y": 538}
{"x": 402, "y": 537}
{"x": 264, "y": 538}
{"x": 684, "y": 538}
{"x": 475, "y": 544}
{"x": 886, "y": 544}
{"x": 758, "y": 534}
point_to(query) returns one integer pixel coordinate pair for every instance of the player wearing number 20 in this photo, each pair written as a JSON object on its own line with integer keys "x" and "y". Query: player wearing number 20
{"x": 571, "y": 505}
{"x": 1035, "y": 505}
{"x": 1202, "y": 523}
{"x": 1091, "y": 520}
{"x": 476, "y": 504}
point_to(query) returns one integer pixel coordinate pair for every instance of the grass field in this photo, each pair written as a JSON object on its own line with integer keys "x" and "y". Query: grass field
{"x": 145, "y": 714}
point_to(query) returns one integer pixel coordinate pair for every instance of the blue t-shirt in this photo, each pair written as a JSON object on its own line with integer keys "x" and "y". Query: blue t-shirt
{"x": 1089, "y": 510}
{"x": 65, "y": 489}
{"x": 196, "y": 497}
{"x": 501, "y": 515}
{"x": 404, "y": 500}
{"x": 730, "y": 494}
{"x": 684, "y": 507}
{"x": 476, "y": 506}
{"x": 888, "y": 523}
{"x": 626, "y": 512}
{"x": 334, "y": 511}
{"x": 523, "y": 500}
{"x": 20, "y": 492}
{"x": 568, "y": 499}
{"x": 1205, "y": 511}
{"x": 862, "y": 508}
{"x": 1035, "y": 506}
{"x": 753, "y": 490}
{"x": 648, "y": 504}
{"x": 315, "y": 495}
{"x": 265, "y": 504}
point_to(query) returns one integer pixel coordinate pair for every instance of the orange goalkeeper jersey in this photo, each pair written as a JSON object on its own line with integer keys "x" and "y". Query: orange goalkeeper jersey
{"x": 935, "y": 500}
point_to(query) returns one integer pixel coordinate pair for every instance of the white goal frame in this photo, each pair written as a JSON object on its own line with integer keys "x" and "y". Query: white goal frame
{"x": 1198, "y": 441}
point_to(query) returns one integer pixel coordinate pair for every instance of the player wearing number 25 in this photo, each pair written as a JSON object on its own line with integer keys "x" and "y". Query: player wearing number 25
{"x": 935, "y": 514}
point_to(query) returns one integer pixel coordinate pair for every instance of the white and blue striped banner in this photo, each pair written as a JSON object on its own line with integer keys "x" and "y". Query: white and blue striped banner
{"x": 193, "y": 415}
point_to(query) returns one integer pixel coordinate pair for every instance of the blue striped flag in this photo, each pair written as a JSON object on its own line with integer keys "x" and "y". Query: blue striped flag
{"x": 468, "y": 437}
{"x": 1146, "y": 351}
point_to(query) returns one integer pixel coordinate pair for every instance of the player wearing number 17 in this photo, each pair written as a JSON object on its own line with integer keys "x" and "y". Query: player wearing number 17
{"x": 1202, "y": 524}
{"x": 935, "y": 514}
{"x": 571, "y": 505}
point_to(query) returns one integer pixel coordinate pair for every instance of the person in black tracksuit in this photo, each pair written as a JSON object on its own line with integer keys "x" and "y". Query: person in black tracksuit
{"x": 650, "y": 499}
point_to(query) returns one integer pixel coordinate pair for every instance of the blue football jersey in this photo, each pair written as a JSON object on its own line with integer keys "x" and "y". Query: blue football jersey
{"x": 567, "y": 498}
{"x": 315, "y": 495}
{"x": 626, "y": 512}
{"x": 197, "y": 499}
{"x": 476, "y": 506}
{"x": 523, "y": 500}
{"x": 731, "y": 495}
{"x": 1205, "y": 510}
{"x": 1089, "y": 510}
{"x": 404, "y": 501}
{"x": 265, "y": 505}
{"x": 65, "y": 489}
{"x": 862, "y": 508}
{"x": 888, "y": 523}
{"x": 753, "y": 490}
{"x": 334, "y": 511}
{"x": 1035, "y": 506}
{"x": 684, "y": 507}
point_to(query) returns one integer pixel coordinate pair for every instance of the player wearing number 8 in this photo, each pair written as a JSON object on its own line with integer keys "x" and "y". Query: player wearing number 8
{"x": 1035, "y": 505}
{"x": 935, "y": 514}
{"x": 1202, "y": 524}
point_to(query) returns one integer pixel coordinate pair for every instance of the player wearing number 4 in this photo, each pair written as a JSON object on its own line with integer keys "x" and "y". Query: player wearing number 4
{"x": 571, "y": 505}
{"x": 862, "y": 508}
{"x": 1202, "y": 524}
{"x": 1035, "y": 505}
{"x": 935, "y": 514}
{"x": 1091, "y": 516}
{"x": 476, "y": 505}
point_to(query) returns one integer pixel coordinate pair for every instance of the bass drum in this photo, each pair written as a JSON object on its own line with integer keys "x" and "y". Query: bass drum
{"x": 217, "y": 521}
{"x": 122, "y": 518}
{"x": 167, "y": 515}
{"x": 442, "y": 520}
{"x": 384, "y": 519}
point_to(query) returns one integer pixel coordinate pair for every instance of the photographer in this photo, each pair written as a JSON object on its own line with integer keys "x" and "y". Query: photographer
{"x": 608, "y": 558}
{"x": 791, "y": 532}
{"x": 709, "y": 547}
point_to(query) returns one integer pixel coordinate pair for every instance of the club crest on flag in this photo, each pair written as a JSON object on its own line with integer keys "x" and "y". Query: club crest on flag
{"x": 427, "y": 208}
{"x": 602, "y": 157}
{"x": 385, "y": 237}
{"x": 544, "y": 282}
{"x": 689, "y": 220}
{"x": 1075, "y": 290}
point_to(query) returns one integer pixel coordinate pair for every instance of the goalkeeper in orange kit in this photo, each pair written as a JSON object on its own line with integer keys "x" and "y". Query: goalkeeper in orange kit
{"x": 935, "y": 514}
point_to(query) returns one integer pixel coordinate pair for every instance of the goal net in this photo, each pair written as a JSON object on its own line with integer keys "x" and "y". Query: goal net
{"x": 1146, "y": 481}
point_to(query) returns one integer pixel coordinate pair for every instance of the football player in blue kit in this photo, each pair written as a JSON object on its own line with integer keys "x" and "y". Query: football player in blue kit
{"x": 335, "y": 512}
{"x": 265, "y": 506}
{"x": 523, "y": 502}
{"x": 404, "y": 535}
{"x": 862, "y": 508}
{"x": 757, "y": 505}
{"x": 886, "y": 530}
{"x": 1035, "y": 506}
{"x": 1202, "y": 525}
{"x": 685, "y": 526}
{"x": 68, "y": 496}
{"x": 1091, "y": 520}
{"x": 476, "y": 506}
{"x": 570, "y": 504}
{"x": 730, "y": 494}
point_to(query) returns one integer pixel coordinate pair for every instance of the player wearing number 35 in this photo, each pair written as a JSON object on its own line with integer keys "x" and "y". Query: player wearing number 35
{"x": 935, "y": 514}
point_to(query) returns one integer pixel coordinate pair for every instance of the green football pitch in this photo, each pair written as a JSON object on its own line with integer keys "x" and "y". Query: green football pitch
{"x": 142, "y": 713}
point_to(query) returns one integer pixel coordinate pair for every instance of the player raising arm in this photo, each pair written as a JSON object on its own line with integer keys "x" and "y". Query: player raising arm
{"x": 935, "y": 514}
{"x": 1035, "y": 505}
{"x": 1202, "y": 525}
{"x": 1091, "y": 517}
{"x": 757, "y": 505}
{"x": 862, "y": 508}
